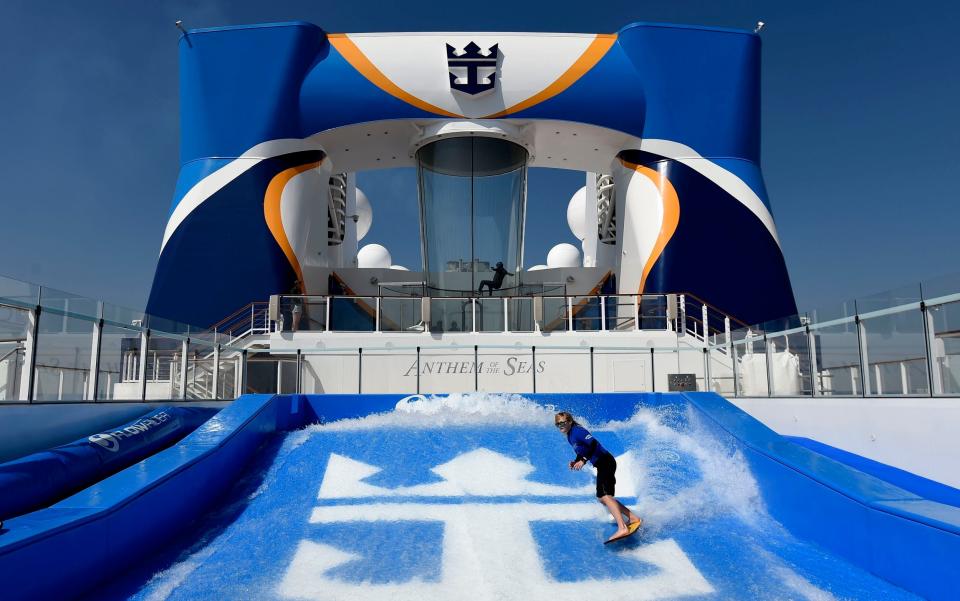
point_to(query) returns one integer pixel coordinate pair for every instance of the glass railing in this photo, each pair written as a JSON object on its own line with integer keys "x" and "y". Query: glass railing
{"x": 56, "y": 346}
{"x": 903, "y": 342}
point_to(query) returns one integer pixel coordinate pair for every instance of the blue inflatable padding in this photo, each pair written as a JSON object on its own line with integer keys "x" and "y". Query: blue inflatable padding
{"x": 41, "y": 479}
{"x": 928, "y": 489}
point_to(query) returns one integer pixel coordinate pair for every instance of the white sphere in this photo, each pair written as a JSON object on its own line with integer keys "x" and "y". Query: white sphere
{"x": 364, "y": 215}
{"x": 563, "y": 255}
{"x": 537, "y": 268}
{"x": 577, "y": 213}
{"x": 399, "y": 267}
{"x": 374, "y": 256}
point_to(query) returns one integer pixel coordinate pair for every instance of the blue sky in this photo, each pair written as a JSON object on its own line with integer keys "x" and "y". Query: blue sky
{"x": 860, "y": 132}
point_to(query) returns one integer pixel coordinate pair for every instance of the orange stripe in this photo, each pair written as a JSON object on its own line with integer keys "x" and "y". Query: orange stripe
{"x": 271, "y": 211}
{"x": 361, "y": 63}
{"x": 590, "y": 57}
{"x": 671, "y": 215}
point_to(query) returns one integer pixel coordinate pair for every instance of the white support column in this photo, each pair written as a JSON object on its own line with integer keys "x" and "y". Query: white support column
{"x": 376, "y": 324}
{"x": 506, "y": 315}
{"x": 569, "y": 314}
{"x": 28, "y": 374}
{"x": 704, "y": 318}
{"x": 934, "y": 366}
{"x": 876, "y": 377}
{"x": 216, "y": 368}
{"x": 682, "y": 330}
{"x": 242, "y": 373}
{"x": 142, "y": 375}
{"x": 327, "y": 310}
{"x": 591, "y": 241}
{"x": 814, "y": 369}
{"x": 864, "y": 357}
{"x": 636, "y": 313}
{"x": 768, "y": 349}
{"x": 96, "y": 340}
{"x": 184, "y": 349}
{"x": 473, "y": 314}
{"x": 603, "y": 313}
{"x": 904, "y": 384}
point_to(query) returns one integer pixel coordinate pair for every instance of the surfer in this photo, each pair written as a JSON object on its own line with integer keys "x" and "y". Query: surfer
{"x": 589, "y": 449}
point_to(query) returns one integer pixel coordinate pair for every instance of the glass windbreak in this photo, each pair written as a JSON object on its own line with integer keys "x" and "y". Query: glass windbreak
{"x": 14, "y": 323}
{"x": 945, "y": 343}
{"x": 472, "y": 194}
{"x": 400, "y": 314}
{"x": 837, "y": 355}
{"x": 64, "y": 346}
{"x": 896, "y": 357}
{"x": 451, "y": 315}
{"x": 119, "y": 364}
{"x": 555, "y": 316}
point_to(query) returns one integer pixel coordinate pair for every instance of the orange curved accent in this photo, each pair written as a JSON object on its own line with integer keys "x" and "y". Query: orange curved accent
{"x": 271, "y": 212}
{"x": 590, "y": 57}
{"x": 671, "y": 215}
{"x": 361, "y": 63}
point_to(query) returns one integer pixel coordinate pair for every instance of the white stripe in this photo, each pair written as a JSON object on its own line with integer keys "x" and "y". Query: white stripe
{"x": 214, "y": 182}
{"x": 730, "y": 183}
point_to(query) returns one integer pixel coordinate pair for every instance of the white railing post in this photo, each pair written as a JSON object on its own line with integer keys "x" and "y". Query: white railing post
{"x": 814, "y": 369}
{"x": 768, "y": 350}
{"x": 636, "y": 313}
{"x": 185, "y": 347}
{"x": 705, "y": 320}
{"x": 864, "y": 358}
{"x": 904, "y": 386}
{"x": 934, "y": 375}
{"x": 376, "y": 324}
{"x": 569, "y": 314}
{"x": 327, "y": 310}
{"x": 94, "y": 378}
{"x": 682, "y": 330}
{"x": 142, "y": 374}
{"x": 506, "y": 315}
{"x": 242, "y": 373}
{"x": 28, "y": 375}
{"x": 216, "y": 368}
{"x": 603, "y": 313}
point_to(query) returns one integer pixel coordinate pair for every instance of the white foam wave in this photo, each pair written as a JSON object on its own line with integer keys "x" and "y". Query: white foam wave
{"x": 467, "y": 409}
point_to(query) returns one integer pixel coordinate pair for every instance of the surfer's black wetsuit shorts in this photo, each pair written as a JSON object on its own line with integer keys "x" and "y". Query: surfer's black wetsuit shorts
{"x": 606, "y": 481}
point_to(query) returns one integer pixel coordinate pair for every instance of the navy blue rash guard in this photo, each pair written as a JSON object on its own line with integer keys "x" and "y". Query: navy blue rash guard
{"x": 585, "y": 445}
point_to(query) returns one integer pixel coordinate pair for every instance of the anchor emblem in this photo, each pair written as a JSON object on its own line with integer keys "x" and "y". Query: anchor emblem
{"x": 471, "y": 549}
{"x": 470, "y": 71}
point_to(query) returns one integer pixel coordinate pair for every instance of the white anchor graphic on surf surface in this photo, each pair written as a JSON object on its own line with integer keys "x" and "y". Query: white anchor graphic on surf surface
{"x": 471, "y": 549}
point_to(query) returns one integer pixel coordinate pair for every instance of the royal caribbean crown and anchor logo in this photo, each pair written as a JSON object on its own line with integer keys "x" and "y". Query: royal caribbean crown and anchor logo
{"x": 472, "y": 72}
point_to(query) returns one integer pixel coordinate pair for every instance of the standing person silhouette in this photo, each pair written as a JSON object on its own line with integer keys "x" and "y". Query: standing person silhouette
{"x": 589, "y": 449}
{"x": 498, "y": 274}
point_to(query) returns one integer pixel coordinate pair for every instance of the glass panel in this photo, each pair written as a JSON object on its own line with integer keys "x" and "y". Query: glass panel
{"x": 227, "y": 384}
{"x": 554, "y": 314}
{"x": 838, "y": 359}
{"x": 653, "y": 312}
{"x": 19, "y": 293}
{"x": 520, "y": 314}
{"x": 790, "y": 366}
{"x": 163, "y": 367}
{"x": 119, "y": 371}
{"x": 299, "y": 313}
{"x": 472, "y": 193}
{"x": 945, "y": 333}
{"x": 453, "y": 314}
{"x": 490, "y": 314}
{"x": 586, "y": 313}
{"x": 353, "y": 314}
{"x": 721, "y": 371}
{"x": 620, "y": 311}
{"x": 14, "y": 325}
{"x": 400, "y": 314}
{"x": 63, "y": 358}
{"x": 896, "y": 353}
{"x": 750, "y": 352}
{"x": 200, "y": 363}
